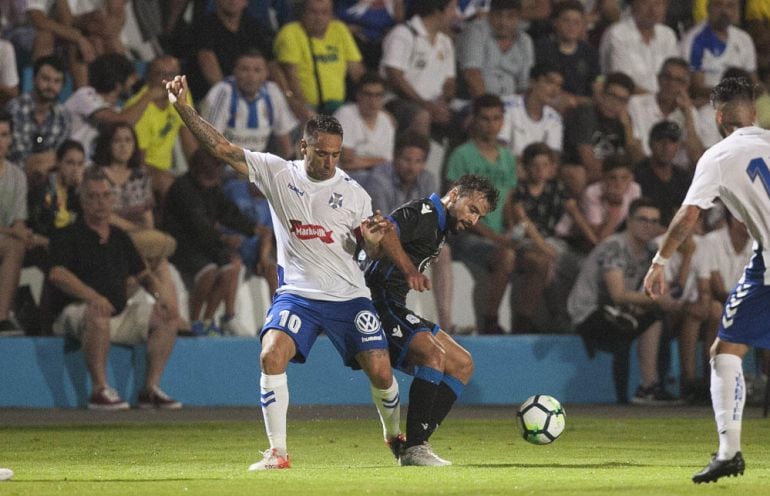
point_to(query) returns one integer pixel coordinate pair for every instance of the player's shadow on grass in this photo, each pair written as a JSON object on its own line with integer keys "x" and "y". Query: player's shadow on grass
{"x": 558, "y": 465}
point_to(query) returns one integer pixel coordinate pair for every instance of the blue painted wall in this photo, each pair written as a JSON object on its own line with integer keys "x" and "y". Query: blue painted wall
{"x": 48, "y": 372}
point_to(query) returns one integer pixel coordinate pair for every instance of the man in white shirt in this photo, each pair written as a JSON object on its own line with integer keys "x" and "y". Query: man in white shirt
{"x": 716, "y": 44}
{"x": 530, "y": 117}
{"x": 370, "y": 131}
{"x": 248, "y": 109}
{"x": 736, "y": 171}
{"x": 320, "y": 217}
{"x": 418, "y": 61}
{"x": 672, "y": 103}
{"x": 639, "y": 44}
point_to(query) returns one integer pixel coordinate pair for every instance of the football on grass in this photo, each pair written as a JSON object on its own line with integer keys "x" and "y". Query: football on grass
{"x": 541, "y": 419}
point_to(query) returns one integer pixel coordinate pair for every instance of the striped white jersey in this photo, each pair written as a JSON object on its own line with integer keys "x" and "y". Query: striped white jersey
{"x": 316, "y": 224}
{"x": 737, "y": 170}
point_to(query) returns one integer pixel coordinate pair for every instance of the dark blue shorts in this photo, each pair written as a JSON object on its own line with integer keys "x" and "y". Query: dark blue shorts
{"x": 401, "y": 325}
{"x": 746, "y": 316}
{"x": 352, "y": 325}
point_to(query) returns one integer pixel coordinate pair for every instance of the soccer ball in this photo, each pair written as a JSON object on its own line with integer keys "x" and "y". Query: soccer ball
{"x": 541, "y": 419}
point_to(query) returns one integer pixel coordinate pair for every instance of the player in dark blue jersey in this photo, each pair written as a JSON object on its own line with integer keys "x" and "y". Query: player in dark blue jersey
{"x": 440, "y": 366}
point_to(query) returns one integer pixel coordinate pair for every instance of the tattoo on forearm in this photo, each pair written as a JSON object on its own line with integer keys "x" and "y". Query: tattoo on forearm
{"x": 208, "y": 137}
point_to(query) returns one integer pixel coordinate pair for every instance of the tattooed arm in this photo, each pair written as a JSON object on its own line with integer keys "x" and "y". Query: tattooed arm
{"x": 209, "y": 138}
{"x": 681, "y": 226}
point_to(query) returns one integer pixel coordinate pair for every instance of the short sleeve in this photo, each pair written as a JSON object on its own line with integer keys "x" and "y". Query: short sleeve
{"x": 288, "y": 46}
{"x": 284, "y": 122}
{"x": 397, "y": 47}
{"x": 705, "y": 184}
{"x": 612, "y": 258}
{"x": 215, "y": 105}
{"x": 408, "y": 220}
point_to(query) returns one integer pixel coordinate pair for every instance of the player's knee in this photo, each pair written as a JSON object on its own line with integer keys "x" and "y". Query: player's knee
{"x": 461, "y": 366}
{"x": 275, "y": 354}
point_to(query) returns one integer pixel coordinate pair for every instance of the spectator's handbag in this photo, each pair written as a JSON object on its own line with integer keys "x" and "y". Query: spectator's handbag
{"x": 153, "y": 245}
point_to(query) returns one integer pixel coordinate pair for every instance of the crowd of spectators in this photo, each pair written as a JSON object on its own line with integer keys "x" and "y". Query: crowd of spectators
{"x": 589, "y": 117}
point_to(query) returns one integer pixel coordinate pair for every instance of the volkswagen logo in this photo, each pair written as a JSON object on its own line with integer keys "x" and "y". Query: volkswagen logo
{"x": 367, "y": 322}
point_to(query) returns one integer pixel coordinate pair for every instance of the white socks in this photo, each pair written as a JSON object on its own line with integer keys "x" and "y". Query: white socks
{"x": 274, "y": 397}
{"x": 388, "y": 405}
{"x": 728, "y": 395}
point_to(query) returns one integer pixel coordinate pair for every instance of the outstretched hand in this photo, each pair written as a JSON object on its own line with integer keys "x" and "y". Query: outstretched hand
{"x": 177, "y": 89}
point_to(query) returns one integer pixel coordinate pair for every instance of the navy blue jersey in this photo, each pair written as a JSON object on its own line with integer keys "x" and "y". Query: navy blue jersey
{"x": 422, "y": 228}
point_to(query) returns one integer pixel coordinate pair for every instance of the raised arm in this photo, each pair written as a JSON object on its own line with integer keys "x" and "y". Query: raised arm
{"x": 209, "y": 138}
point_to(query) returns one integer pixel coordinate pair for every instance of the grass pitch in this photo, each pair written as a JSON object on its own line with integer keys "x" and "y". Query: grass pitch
{"x": 613, "y": 452}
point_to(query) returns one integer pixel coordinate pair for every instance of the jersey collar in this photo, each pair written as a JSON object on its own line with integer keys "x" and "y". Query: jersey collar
{"x": 440, "y": 211}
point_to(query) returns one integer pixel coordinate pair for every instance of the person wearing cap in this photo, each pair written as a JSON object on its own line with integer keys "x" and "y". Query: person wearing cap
{"x": 665, "y": 184}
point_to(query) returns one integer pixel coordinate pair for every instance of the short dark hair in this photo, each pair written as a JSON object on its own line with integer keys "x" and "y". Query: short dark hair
{"x": 251, "y": 53}
{"x": 68, "y": 145}
{"x": 103, "y": 145}
{"x": 487, "y": 100}
{"x": 566, "y": 5}
{"x": 469, "y": 183}
{"x": 505, "y": 5}
{"x": 535, "y": 150}
{"x": 621, "y": 79}
{"x": 369, "y": 77}
{"x": 616, "y": 161}
{"x": 735, "y": 72}
{"x": 676, "y": 61}
{"x": 733, "y": 90}
{"x": 51, "y": 60}
{"x": 411, "y": 139}
{"x": 91, "y": 174}
{"x": 109, "y": 70}
{"x": 6, "y": 116}
{"x": 320, "y": 123}
{"x": 642, "y": 202}
{"x": 425, "y": 8}
{"x": 543, "y": 68}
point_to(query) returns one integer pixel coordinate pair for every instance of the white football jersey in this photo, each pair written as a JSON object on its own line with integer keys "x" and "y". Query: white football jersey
{"x": 315, "y": 224}
{"x": 737, "y": 170}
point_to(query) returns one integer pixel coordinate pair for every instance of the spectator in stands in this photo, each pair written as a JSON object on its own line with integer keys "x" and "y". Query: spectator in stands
{"x": 659, "y": 179}
{"x": 717, "y": 44}
{"x": 538, "y": 204}
{"x": 370, "y": 131}
{"x": 639, "y": 44}
{"x": 567, "y": 48}
{"x": 54, "y": 204}
{"x": 249, "y": 110}
{"x": 530, "y": 117}
{"x": 494, "y": 53}
{"x": 317, "y": 54}
{"x": 486, "y": 249}
{"x": 110, "y": 78}
{"x": 369, "y": 22}
{"x": 93, "y": 264}
{"x": 14, "y": 234}
{"x": 595, "y": 131}
{"x": 418, "y": 62}
{"x": 88, "y": 29}
{"x": 158, "y": 126}
{"x": 40, "y": 123}
{"x": 722, "y": 255}
{"x": 207, "y": 258}
{"x": 671, "y": 102}
{"x": 257, "y": 251}
{"x": 610, "y": 311}
{"x": 9, "y": 74}
{"x": 605, "y": 203}
{"x": 218, "y": 39}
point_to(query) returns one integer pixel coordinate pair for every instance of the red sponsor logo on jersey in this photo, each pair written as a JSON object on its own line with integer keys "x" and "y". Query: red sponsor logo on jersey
{"x": 310, "y": 231}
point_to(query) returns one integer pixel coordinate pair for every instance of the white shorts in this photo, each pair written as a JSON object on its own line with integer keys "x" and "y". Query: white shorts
{"x": 132, "y": 326}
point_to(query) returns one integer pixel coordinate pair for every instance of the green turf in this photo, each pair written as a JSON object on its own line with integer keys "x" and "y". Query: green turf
{"x": 594, "y": 456}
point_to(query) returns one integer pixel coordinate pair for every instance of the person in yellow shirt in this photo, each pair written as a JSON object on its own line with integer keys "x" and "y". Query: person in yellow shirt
{"x": 159, "y": 126}
{"x": 317, "y": 53}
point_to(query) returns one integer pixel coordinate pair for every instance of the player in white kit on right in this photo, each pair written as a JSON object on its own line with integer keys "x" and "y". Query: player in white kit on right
{"x": 320, "y": 216}
{"x": 736, "y": 170}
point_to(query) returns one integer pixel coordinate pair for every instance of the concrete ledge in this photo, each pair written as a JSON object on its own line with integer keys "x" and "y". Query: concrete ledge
{"x": 50, "y": 372}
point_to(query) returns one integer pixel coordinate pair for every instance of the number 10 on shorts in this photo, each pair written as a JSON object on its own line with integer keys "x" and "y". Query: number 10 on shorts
{"x": 290, "y": 321}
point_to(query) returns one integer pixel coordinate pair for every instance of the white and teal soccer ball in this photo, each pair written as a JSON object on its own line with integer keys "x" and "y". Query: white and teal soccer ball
{"x": 541, "y": 419}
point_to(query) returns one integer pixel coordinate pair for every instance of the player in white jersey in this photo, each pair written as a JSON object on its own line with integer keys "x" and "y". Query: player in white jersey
{"x": 735, "y": 170}
{"x": 320, "y": 216}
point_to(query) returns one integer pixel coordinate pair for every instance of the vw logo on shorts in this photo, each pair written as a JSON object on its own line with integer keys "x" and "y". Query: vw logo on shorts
{"x": 367, "y": 322}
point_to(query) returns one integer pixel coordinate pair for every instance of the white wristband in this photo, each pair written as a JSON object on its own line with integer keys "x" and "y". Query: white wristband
{"x": 659, "y": 259}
